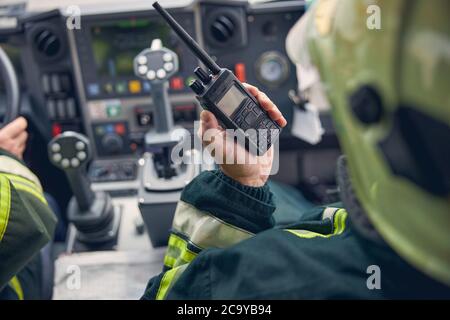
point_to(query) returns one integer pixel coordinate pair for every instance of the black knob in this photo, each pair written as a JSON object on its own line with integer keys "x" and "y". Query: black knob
{"x": 197, "y": 87}
{"x": 202, "y": 75}
{"x": 366, "y": 105}
{"x": 112, "y": 143}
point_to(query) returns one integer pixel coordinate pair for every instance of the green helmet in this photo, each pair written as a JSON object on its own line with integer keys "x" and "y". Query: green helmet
{"x": 385, "y": 69}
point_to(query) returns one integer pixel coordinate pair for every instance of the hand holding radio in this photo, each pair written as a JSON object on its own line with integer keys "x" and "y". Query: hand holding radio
{"x": 220, "y": 92}
{"x": 234, "y": 160}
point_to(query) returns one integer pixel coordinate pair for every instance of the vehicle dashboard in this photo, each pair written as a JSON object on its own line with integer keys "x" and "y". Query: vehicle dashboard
{"x": 81, "y": 79}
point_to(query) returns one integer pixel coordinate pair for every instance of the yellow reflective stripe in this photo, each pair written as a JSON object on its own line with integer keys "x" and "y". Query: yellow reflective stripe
{"x": 14, "y": 283}
{"x": 12, "y": 166}
{"x": 28, "y": 182}
{"x": 168, "y": 280}
{"x": 5, "y": 204}
{"x": 23, "y": 187}
{"x": 178, "y": 252}
{"x": 169, "y": 261}
{"x": 26, "y": 185}
{"x": 338, "y": 227}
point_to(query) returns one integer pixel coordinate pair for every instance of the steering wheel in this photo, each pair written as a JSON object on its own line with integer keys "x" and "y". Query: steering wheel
{"x": 9, "y": 77}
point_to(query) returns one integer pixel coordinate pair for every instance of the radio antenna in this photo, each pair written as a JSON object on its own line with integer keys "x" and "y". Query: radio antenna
{"x": 187, "y": 39}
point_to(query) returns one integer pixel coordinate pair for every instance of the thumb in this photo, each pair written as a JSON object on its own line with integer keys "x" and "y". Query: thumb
{"x": 209, "y": 120}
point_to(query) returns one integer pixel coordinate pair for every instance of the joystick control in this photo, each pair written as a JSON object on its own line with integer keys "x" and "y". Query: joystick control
{"x": 95, "y": 218}
{"x": 158, "y": 64}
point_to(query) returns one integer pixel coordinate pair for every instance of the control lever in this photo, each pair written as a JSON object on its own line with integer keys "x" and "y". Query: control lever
{"x": 157, "y": 65}
{"x": 95, "y": 218}
{"x": 71, "y": 153}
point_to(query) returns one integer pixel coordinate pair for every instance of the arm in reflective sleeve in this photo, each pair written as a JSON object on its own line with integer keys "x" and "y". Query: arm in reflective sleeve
{"x": 26, "y": 221}
{"x": 214, "y": 212}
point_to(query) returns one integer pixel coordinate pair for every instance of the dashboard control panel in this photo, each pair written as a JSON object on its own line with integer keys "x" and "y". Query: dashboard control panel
{"x": 118, "y": 105}
{"x": 106, "y": 47}
{"x": 83, "y": 79}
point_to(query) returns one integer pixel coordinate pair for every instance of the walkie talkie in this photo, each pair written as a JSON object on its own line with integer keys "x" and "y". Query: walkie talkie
{"x": 224, "y": 95}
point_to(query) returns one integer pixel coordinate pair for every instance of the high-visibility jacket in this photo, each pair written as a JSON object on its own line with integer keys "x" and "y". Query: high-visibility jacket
{"x": 224, "y": 245}
{"x": 26, "y": 221}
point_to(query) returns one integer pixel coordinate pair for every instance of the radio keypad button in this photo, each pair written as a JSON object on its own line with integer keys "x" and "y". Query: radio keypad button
{"x": 244, "y": 126}
{"x": 239, "y": 120}
{"x": 250, "y": 118}
{"x": 257, "y": 110}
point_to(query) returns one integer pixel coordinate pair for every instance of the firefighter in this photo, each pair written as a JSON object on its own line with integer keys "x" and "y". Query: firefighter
{"x": 26, "y": 221}
{"x": 390, "y": 237}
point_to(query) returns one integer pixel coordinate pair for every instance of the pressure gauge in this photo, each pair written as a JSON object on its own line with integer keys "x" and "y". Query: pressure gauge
{"x": 272, "y": 69}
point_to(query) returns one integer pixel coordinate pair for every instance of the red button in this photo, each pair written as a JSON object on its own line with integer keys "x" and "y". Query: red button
{"x": 120, "y": 129}
{"x": 56, "y": 129}
{"x": 176, "y": 83}
{"x": 239, "y": 71}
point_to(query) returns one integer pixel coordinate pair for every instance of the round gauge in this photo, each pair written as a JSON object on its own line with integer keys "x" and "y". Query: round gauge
{"x": 272, "y": 69}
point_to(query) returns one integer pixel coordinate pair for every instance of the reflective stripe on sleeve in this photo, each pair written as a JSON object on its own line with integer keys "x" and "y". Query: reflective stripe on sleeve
{"x": 168, "y": 280}
{"x": 5, "y": 204}
{"x": 14, "y": 283}
{"x": 178, "y": 252}
{"x": 339, "y": 221}
{"x": 205, "y": 230}
{"x": 12, "y": 166}
{"x": 28, "y": 186}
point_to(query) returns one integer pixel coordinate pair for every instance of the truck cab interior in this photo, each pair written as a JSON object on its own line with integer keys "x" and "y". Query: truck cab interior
{"x": 74, "y": 64}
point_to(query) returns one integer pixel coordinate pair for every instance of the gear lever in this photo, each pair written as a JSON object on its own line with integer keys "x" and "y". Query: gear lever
{"x": 92, "y": 213}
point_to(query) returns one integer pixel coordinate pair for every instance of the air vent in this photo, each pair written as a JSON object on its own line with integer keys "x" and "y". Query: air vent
{"x": 47, "y": 43}
{"x": 223, "y": 28}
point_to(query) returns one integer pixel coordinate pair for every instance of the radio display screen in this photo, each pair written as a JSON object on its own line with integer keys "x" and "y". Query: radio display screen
{"x": 231, "y": 100}
{"x": 116, "y": 44}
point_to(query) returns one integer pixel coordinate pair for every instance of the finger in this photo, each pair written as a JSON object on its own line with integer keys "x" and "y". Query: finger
{"x": 265, "y": 102}
{"x": 20, "y": 150}
{"x": 274, "y": 114}
{"x": 208, "y": 120}
{"x": 282, "y": 122}
{"x": 21, "y": 139}
{"x": 252, "y": 89}
{"x": 16, "y": 127}
{"x": 273, "y": 111}
{"x": 278, "y": 118}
